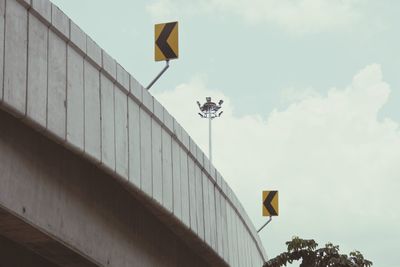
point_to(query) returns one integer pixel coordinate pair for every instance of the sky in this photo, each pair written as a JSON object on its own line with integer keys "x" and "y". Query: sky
{"x": 311, "y": 91}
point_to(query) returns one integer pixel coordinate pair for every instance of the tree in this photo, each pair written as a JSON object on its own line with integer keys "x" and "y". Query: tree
{"x": 328, "y": 256}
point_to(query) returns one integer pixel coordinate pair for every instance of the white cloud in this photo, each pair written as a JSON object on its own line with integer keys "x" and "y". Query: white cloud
{"x": 334, "y": 162}
{"x": 301, "y": 16}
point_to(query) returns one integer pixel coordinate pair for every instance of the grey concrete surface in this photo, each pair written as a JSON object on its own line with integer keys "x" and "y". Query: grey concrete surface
{"x": 192, "y": 195}
{"x": 134, "y": 143}
{"x": 145, "y": 153}
{"x": 15, "y": 57}
{"x": 107, "y": 122}
{"x": 121, "y": 133}
{"x": 43, "y": 8}
{"x": 167, "y": 186}
{"x": 184, "y": 187}
{"x": 199, "y": 202}
{"x": 93, "y": 51}
{"x": 109, "y": 64}
{"x": 122, "y": 76}
{"x": 2, "y": 19}
{"x": 77, "y": 36}
{"x": 176, "y": 179}
{"x": 13, "y": 254}
{"x": 58, "y": 80}
{"x": 57, "y": 84}
{"x": 37, "y": 71}
{"x": 156, "y": 160}
{"x": 75, "y": 203}
{"x": 92, "y": 111}
{"x": 75, "y": 99}
{"x": 59, "y": 22}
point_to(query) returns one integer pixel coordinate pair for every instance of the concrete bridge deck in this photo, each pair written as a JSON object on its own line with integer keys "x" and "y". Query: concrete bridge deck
{"x": 94, "y": 171}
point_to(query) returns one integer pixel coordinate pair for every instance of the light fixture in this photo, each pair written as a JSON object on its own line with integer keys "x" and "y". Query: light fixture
{"x": 210, "y": 110}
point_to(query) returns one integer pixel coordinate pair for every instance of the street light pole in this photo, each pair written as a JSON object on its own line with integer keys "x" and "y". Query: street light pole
{"x": 209, "y": 139}
{"x": 210, "y": 110}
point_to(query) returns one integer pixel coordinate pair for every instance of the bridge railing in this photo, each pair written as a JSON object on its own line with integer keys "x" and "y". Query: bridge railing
{"x": 57, "y": 79}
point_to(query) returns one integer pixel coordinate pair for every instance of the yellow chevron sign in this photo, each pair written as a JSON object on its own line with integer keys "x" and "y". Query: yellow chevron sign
{"x": 270, "y": 203}
{"x": 166, "y": 41}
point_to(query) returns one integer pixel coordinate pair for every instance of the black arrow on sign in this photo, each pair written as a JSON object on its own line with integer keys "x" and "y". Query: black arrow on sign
{"x": 267, "y": 203}
{"x": 162, "y": 40}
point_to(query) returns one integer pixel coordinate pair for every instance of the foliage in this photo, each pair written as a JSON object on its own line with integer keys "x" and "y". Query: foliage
{"x": 328, "y": 256}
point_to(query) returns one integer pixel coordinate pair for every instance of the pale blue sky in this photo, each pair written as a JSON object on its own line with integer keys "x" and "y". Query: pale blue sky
{"x": 275, "y": 62}
{"x": 249, "y": 61}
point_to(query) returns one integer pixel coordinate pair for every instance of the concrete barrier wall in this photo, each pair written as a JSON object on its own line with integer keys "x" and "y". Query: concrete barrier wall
{"x": 57, "y": 79}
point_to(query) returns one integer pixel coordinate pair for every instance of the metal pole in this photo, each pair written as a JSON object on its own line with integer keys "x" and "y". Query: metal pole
{"x": 159, "y": 75}
{"x": 209, "y": 136}
{"x": 269, "y": 220}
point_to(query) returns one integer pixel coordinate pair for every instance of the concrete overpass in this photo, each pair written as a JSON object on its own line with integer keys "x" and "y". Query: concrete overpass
{"x": 93, "y": 170}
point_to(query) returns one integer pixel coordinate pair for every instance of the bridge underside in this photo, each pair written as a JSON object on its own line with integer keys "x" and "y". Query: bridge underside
{"x": 23, "y": 245}
{"x": 59, "y": 210}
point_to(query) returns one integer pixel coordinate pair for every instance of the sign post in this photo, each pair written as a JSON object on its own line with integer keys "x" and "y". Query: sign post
{"x": 270, "y": 206}
{"x": 165, "y": 46}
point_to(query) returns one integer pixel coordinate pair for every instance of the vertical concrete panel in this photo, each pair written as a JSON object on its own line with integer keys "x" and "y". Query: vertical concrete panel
{"x": 242, "y": 244}
{"x": 147, "y": 99}
{"x": 206, "y": 209}
{"x": 230, "y": 237}
{"x": 77, "y": 37}
{"x": 192, "y": 195}
{"x": 235, "y": 238}
{"x": 225, "y": 232}
{"x": 255, "y": 255}
{"x": 93, "y": 51}
{"x": 206, "y": 163}
{"x": 176, "y": 178}
{"x": 219, "y": 222}
{"x": 200, "y": 156}
{"x": 168, "y": 121}
{"x": 59, "y": 21}
{"x": 15, "y": 61}
{"x": 122, "y": 77}
{"x": 107, "y": 122}
{"x": 241, "y": 255}
{"x": 252, "y": 255}
{"x": 2, "y": 15}
{"x": 135, "y": 88}
{"x": 145, "y": 152}
{"x": 184, "y": 187}
{"x": 92, "y": 111}
{"x": 75, "y": 99}
{"x": 248, "y": 249}
{"x": 213, "y": 173}
{"x": 185, "y": 139}
{"x": 134, "y": 143}
{"x": 57, "y": 79}
{"x": 37, "y": 71}
{"x": 177, "y": 130}
{"x": 121, "y": 132}
{"x": 158, "y": 110}
{"x": 156, "y": 149}
{"x": 167, "y": 170}
{"x": 42, "y": 7}
{"x": 199, "y": 201}
{"x": 213, "y": 228}
{"x": 109, "y": 64}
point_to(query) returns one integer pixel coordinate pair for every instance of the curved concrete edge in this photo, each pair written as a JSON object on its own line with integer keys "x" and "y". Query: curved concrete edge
{"x": 83, "y": 55}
